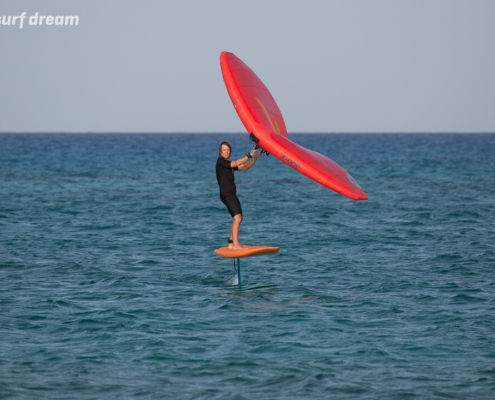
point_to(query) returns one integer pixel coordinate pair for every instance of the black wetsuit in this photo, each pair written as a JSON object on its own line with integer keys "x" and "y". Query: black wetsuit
{"x": 226, "y": 181}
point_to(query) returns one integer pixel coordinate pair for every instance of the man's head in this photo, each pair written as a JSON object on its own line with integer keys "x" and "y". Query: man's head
{"x": 225, "y": 149}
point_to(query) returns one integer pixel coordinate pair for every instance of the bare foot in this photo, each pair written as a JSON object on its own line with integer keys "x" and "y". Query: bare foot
{"x": 231, "y": 246}
{"x": 240, "y": 247}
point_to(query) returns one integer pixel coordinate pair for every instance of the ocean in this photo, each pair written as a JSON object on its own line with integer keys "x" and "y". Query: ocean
{"x": 110, "y": 288}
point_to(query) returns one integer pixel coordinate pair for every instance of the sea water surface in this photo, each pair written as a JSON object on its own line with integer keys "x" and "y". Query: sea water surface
{"x": 110, "y": 287}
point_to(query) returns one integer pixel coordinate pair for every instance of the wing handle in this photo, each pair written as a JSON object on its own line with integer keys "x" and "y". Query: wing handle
{"x": 254, "y": 138}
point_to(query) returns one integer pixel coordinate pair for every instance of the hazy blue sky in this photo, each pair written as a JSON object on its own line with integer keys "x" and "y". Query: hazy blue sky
{"x": 332, "y": 66}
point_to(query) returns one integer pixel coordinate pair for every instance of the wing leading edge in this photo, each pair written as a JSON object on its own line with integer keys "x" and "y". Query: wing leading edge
{"x": 260, "y": 114}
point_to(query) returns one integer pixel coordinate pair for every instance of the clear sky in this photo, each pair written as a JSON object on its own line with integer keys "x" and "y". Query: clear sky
{"x": 332, "y": 66}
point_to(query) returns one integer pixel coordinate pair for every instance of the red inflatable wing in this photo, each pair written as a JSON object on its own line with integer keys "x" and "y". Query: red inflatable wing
{"x": 261, "y": 116}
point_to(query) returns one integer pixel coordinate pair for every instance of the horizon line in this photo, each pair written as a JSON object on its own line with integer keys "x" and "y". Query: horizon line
{"x": 243, "y": 133}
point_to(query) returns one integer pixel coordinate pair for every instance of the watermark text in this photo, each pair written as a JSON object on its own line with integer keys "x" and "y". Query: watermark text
{"x": 38, "y": 20}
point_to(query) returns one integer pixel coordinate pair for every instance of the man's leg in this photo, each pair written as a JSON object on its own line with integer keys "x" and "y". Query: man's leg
{"x": 234, "y": 231}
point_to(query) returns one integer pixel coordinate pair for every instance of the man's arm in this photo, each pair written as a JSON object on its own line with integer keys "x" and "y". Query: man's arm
{"x": 250, "y": 163}
{"x": 240, "y": 161}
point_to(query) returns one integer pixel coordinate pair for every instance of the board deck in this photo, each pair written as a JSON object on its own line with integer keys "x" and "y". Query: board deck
{"x": 248, "y": 251}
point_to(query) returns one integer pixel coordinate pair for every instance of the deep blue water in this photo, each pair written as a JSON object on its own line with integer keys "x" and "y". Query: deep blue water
{"x": 110, "y": 287}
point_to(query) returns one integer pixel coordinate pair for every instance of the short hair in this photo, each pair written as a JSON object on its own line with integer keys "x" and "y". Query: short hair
{"x": 226, "y": 144}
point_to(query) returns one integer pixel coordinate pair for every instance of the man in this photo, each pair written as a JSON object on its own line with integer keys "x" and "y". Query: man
{"x": 225, "y": 177}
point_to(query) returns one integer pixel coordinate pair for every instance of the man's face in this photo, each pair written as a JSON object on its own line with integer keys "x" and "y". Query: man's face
{"x": 225, "y": 151}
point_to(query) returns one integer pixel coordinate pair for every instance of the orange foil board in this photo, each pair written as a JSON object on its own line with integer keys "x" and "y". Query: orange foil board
{"x": 248, "y": 251}
{"x": 260, "y": 114}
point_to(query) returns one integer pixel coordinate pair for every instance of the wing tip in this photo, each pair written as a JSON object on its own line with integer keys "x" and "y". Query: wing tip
{"x": 354, "y": 195}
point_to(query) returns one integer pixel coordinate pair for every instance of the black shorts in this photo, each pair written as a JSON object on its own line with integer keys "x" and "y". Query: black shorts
{"x": 232, "y": 203}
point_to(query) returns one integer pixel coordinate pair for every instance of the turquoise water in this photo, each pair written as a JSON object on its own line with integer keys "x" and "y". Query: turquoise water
{"x": 110, "y": 287}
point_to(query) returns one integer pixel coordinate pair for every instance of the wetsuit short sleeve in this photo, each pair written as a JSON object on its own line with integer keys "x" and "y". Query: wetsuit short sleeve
{"x": 225, "y": 176}
{"x": 223, "y": 163}
{"x": 226, "y": 181}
